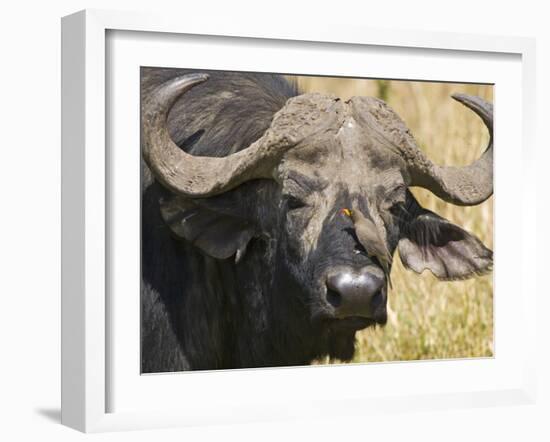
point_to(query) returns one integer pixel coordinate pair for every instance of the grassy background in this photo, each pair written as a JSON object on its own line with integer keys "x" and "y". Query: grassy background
{"x": 429, "y": 319}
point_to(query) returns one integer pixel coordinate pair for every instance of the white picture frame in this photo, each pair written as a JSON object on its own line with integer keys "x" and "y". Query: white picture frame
{"x": 86, "y": 205}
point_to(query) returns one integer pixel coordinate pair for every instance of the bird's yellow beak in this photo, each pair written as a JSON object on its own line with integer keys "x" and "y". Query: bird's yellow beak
{"x": 346, "y": 212}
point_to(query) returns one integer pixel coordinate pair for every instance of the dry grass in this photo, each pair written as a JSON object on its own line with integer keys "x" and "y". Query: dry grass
{"x": 429, "y": 319}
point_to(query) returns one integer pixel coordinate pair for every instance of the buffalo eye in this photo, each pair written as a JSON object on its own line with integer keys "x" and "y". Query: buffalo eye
{"x": 394, "y": 200}
{"x": 398, "y": 210}
{"x": 294, "y": 202}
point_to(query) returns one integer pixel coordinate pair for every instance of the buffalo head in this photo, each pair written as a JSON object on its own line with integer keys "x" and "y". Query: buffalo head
{"x": 320, "y": 155}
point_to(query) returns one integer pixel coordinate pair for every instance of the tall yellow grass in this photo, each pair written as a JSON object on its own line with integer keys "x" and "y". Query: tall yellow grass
{"x": 429, "y": 319}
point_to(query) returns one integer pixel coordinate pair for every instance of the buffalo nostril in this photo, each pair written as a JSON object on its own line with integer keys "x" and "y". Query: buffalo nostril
{"x": 376, "y": 300}
{"x": 334, "y": 298}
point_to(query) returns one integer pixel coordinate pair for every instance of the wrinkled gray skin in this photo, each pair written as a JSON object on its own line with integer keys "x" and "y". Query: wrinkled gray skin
{"x": 269, "y": 243}
{"x": 343, "y": 156}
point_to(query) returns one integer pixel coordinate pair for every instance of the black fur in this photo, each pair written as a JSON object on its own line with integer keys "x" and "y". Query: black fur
{"x": 204, "y": 313}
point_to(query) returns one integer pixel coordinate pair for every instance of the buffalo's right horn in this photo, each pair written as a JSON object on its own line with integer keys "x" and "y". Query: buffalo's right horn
{"x": 197, "y": 176}
{"x": 467, "y": 185}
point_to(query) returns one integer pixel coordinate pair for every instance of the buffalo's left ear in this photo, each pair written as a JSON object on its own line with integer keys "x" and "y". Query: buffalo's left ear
{"x": 217, "y": 234}
{"x": 431, "y": 242}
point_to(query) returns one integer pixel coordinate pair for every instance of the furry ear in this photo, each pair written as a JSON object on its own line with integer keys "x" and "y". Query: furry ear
{"x": 431, "y": 242}
{"x": 217, "y": 234}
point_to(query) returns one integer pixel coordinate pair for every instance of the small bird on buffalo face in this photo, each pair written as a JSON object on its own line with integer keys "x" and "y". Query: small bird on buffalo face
{"x": 369, "y": 236}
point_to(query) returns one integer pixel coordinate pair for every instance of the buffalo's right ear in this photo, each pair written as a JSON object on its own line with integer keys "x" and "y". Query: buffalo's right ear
{"x": 217, "y": 234}
{"x": 430, "y": 242}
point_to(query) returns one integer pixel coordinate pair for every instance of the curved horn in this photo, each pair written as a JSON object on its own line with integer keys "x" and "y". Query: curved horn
{"x": 464, "y": 186}
{"x": 197, "y": 176}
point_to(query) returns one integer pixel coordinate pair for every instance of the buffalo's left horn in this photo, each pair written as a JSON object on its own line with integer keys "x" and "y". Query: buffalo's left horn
{"x": 197, "y": 176}
{"x": 464, "y": 186}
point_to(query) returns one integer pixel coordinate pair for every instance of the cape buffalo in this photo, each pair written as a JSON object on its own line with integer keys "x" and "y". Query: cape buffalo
{"x": 247, "y": 260}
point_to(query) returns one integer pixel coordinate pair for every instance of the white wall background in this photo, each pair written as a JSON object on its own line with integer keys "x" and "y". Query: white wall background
{"x": 30, "y": 216}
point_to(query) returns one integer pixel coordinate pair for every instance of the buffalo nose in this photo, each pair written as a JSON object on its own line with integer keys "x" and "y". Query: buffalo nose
{"x": 357, "y": 293}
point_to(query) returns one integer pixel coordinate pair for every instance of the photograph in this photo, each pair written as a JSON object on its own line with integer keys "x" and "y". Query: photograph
{"x": 293, "y": 220}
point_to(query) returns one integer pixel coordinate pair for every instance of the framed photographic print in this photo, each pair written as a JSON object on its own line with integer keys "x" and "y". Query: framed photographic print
{"x": 250, "y": 216}
{"x": 285, "y": 266}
